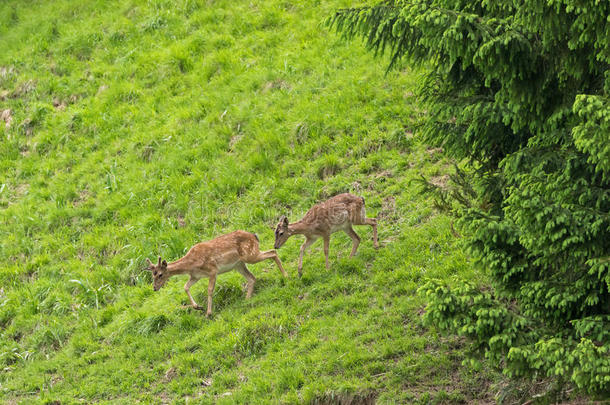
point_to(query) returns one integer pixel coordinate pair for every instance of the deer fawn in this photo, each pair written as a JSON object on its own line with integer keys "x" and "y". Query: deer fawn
{"x": 217, "y": 256}
{"x": 336, "y": 214}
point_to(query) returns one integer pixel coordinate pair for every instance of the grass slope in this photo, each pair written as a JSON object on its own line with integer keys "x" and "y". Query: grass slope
{"x": 140, "y": 128}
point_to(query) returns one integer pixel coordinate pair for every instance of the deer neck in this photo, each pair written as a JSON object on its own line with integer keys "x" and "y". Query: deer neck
{"x": 298, "y": 228}
{"x": 178, "y": 267}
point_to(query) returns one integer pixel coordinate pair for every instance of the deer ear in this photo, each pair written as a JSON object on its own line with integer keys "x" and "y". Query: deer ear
{"x": 164, "y": 263}
{"x": 150, "y": 265}
{"x": 159, "y": 262}
{"x": 284, "y": 220}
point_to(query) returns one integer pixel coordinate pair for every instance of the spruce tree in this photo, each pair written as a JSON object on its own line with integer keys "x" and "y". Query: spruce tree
{"x": 518, "y": 92}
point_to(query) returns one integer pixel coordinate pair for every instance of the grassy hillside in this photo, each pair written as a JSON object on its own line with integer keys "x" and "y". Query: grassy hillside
{"x": 139, "y": 128}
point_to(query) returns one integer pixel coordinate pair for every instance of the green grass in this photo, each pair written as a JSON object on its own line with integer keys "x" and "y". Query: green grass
{"x": 140, "y": 128}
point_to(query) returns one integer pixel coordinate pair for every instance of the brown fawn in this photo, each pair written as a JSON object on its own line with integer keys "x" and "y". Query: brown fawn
{"x": 336, "y": 214}
{"x": 214, "y": 257}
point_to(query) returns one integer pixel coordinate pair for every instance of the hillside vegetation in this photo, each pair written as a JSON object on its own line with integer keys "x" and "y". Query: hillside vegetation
{"x": 138, "y": 128}
{"x": 519, "y": 93}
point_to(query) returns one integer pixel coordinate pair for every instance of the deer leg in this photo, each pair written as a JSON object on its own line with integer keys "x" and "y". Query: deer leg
{"x": 187, "y": 288}
{"x": 355, "y": 239}
{"x": 211, "y": 284}
{"x": 271, "y": 254}
{"x": 373, "y": 223}
{"x": 243, "y": 270}
{"x": 304, "y": 247}
{"x": 326, "y": 245}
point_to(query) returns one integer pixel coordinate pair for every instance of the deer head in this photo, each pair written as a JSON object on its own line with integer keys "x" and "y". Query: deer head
{"x": 282, "y": 233}
{"x": 159, "y": 272}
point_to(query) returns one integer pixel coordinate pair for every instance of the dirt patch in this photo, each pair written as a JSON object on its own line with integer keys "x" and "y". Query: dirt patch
{"x": 440, "y": 181}
{"x": 277, "y": 84}
{"x": 333, "y": 398}
{"x": 388, "y": 208}
{"x": 22, "y": 189}
{"x": 59, "y": 105}
{"x": 55, "y": 379}
{"x": 170, "y": 374}
{"x": 234, "y": 141}
{"x": 7, "y": 117}
{"x": 6, "y": 71}
{"x": 21, "y": 89}
{"x": 24, "y": 88}
{"x": 83, "y": 195}
{"x": 301, "y": 134}
{"x": 27, "y": 126}
{"x": 165, "y": 399}
{"x": 434, "y": 151}
{"x": 384, "y": 174}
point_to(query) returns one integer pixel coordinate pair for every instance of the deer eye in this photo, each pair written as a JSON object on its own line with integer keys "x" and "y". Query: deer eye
{"x": 281, "y": 233}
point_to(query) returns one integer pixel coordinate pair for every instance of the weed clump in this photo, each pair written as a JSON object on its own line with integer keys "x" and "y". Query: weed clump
{"x": 151, "y": 324}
